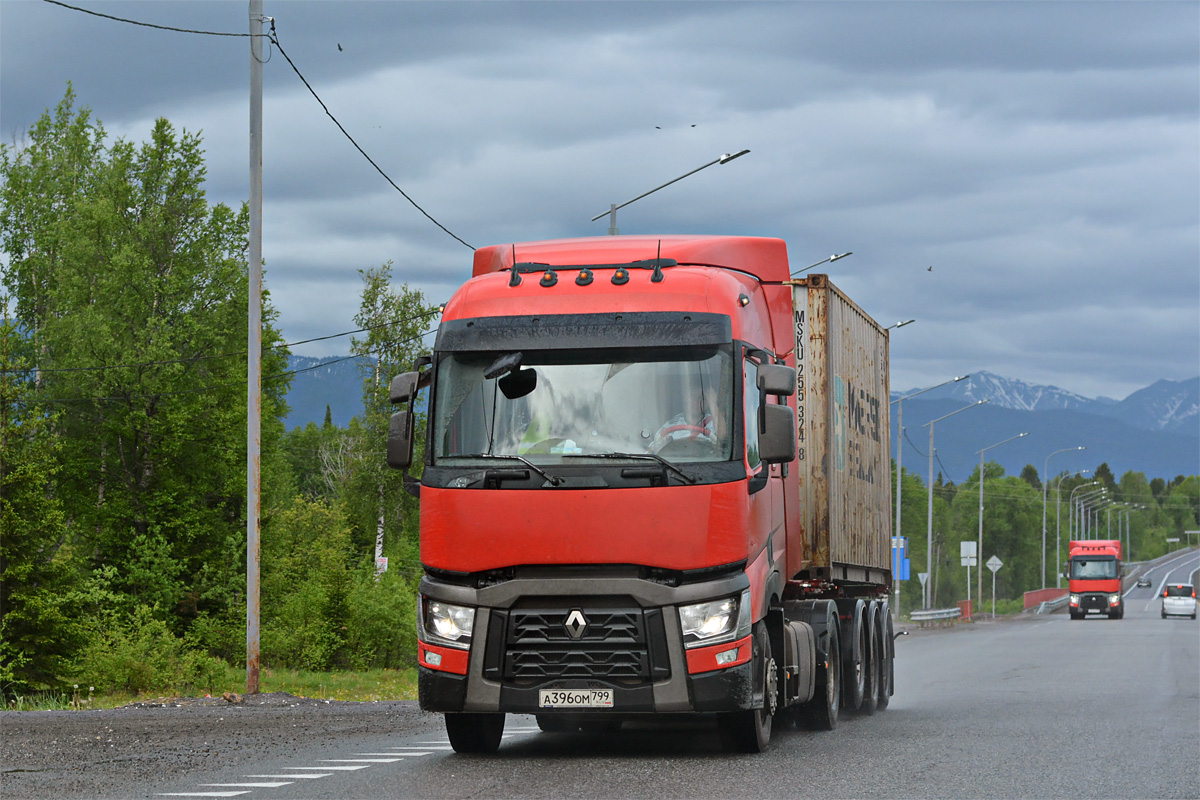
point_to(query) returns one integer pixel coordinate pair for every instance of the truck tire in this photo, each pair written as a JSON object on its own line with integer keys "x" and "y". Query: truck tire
{"x": 750, "y": 731}
{"x": 887, "y": 669}
{"x": 475, "y": 733}
{"x": 874, "y": 658}
{"x": 821, "y": 713}
{"x": 854, "y": 672}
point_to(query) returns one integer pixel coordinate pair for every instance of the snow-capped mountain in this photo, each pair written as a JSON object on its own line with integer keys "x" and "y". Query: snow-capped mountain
{"x": 1008, "y": 393}
{"x": 1163, "y": 406}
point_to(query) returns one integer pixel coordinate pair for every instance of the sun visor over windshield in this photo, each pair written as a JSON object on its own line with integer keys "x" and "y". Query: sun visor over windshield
{"x": 583, "y": 331}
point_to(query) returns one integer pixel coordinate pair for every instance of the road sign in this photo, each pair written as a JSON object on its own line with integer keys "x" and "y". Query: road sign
{"x": 967, "y": 554}
{"x": 994, "y": 563}
{"x": 924, "y": 576}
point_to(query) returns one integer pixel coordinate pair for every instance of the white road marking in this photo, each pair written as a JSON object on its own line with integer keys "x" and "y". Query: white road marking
{"x": 343, "y": 769}
{"x": 304, "y": 777}
{"x": 411, "y": 751}
{"x": 271, "y": 785}
{"x": 201, "y": 794}
{"x": 359, "y": 761}
{"x": 390, "y": 754}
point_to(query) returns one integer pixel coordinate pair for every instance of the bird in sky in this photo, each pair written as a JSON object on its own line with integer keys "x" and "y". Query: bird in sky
{"x": 929, "y": 269}
{"x": 339, "y": 47}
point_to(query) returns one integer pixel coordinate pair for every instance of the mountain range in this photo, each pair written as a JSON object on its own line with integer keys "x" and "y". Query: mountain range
{"x": 1155, "y": 430}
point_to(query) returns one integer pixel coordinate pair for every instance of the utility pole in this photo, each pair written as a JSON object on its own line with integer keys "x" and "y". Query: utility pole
{"x": 254, "y": 351}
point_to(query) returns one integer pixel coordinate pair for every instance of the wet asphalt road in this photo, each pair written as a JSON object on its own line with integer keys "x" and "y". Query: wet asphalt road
{"x": 1026, "y": 708}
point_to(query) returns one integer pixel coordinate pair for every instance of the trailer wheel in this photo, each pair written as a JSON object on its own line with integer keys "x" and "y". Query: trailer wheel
{"x": 854, "y": 678}
{"x": 475, "y": 733}
{"x": 750, "y": 731}
{"x": 887, "y": 670}
{"x": 821, "y": 713}
{"x": 873, "y": 656}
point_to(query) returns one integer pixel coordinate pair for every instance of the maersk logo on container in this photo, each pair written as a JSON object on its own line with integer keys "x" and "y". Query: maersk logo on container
{"x": 855, "y": 409}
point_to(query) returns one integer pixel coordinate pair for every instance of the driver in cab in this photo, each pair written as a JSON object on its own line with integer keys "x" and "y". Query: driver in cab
{"x": 697, "y": 422}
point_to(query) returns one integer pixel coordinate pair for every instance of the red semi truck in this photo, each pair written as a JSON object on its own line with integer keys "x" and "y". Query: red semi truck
{"x": 1093, "y": 572}
{"x": 656, "y": 481}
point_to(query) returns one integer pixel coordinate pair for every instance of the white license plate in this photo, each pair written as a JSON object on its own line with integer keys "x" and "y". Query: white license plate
{"x": 570, "y": 698}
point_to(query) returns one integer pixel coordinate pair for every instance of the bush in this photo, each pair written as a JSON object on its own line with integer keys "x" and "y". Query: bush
{"x": 139, "y": 654}
{"x": 382, "y": 625}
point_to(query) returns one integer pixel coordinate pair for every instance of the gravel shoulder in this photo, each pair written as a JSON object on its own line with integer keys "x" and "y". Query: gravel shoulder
{"x": 68, "y": 754}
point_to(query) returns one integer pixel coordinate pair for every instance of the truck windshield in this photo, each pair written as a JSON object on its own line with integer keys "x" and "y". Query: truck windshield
{"x": 1093, "y": 569}
{"x": 675, "y": 403}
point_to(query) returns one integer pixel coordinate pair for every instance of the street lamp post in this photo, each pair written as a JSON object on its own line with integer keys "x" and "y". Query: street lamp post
{"x": 830, "y": 260}
{"x": 1075, "y": 531}
{"x": 612, "y": 210}
{"x": 979, "y": 545}
{"x": 1058, "y": 529}
{"x": 1046, "y": 480}
{"x": 899, "y": 401}
{"x": 929, "y": 512}
{"x": 1087, "y": 503}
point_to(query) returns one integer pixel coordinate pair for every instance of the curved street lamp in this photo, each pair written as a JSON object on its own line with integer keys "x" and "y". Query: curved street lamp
{"x": 929, "y": 513}
{"x": 899, "y": 401}
{"x": 1045, "y": 481}
{"x": 1058, "y": 528}
{"x": 979, "y": 554}
{"x": 612, "y": 209}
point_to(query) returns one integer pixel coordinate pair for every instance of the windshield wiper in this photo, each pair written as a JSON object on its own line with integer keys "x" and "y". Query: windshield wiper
{"x": 637, "y": 457}
{"x": 553, "y": 481}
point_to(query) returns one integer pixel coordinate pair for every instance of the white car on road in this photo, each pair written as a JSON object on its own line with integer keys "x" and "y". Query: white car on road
{"x": 1179, "y": 600}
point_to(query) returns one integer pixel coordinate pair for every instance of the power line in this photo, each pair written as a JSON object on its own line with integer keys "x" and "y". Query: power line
{"x": 224, "y": 385}
{"x": 146, "y": 24}
{"x": 275, "y": 40}
{"x": 196, "y": 358}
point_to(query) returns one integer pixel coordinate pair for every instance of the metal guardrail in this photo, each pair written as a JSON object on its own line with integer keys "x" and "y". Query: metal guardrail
{"x": 1050, "y": 606}
{"x": 935, "y": 615}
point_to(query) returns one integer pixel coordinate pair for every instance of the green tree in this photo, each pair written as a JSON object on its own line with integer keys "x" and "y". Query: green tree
{"x": 38, "y": 621}
{"x": 134, "y": 291}
{"x": 1030, "y": 475}
{"x": 1104, "y": 475}
{"x": 380, "y": 511}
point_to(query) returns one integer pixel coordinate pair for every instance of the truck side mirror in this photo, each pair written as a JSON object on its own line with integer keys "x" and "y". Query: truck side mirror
{"x": 403, "y": 387}
{"x": 400, "y": 439}
{"x": 777, "y": 441}
{"x": 776, "y": 379}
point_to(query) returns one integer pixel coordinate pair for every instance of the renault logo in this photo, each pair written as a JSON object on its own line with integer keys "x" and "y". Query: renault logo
{"x": 576, "y": 623}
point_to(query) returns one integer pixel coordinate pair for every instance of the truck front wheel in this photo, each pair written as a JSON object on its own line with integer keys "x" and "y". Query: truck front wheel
{"x": 750, "y": 731}
{"x": 475, "y": 733}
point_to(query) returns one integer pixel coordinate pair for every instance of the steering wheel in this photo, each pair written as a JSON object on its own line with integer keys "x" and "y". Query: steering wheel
{"x": 665, "y": 437}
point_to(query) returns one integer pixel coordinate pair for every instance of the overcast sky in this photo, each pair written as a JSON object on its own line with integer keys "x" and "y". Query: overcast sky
{"x": 1042, "y": 157}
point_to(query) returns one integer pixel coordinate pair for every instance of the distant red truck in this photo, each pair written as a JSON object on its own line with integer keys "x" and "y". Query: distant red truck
{"x": 1094, "y": 574}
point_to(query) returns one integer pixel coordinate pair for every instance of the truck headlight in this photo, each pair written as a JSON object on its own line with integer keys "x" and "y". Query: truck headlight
{"x": 446, "y": 624}
{"x": 1114, "y": 599}
{"x": 715, "y": 621}
{"x": 1074, "y": 599}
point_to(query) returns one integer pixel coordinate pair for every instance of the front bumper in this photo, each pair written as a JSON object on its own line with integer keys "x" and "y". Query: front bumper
{"x": 636, "y": 651}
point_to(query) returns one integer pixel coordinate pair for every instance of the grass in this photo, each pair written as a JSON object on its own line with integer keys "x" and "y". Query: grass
{"x": 371, "y": 685}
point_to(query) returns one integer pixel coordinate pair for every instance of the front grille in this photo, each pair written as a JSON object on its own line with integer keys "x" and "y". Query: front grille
{"x": 532, "y": 646}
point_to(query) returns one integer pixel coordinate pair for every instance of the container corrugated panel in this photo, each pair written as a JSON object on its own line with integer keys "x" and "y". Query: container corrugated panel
{"x": 844, "y": 434}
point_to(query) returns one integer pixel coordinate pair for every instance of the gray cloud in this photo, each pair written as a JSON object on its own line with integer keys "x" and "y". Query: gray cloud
{"x": 1044, "y": 158}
